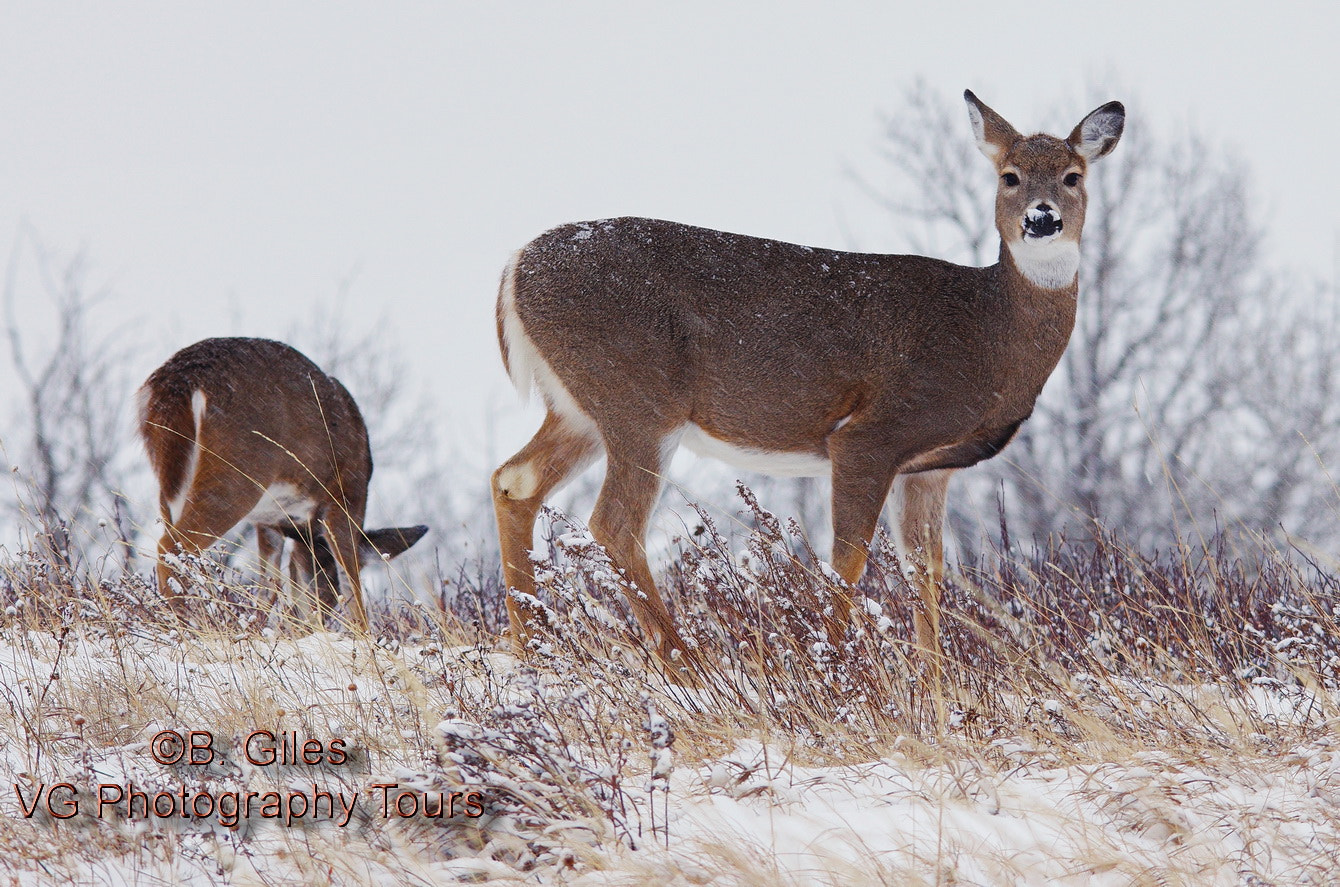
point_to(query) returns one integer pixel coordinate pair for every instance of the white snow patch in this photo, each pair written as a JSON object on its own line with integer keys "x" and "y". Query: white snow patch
{"x": 1006, "y": 813}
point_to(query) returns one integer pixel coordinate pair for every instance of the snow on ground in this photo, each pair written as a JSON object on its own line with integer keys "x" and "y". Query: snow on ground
{"x": 1024, "y": 822}
{"x": 998, "y": 812}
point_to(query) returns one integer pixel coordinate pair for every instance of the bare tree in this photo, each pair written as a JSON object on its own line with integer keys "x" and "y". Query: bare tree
{"x": 362, "y": 355}
{"x": 69, "y": 441}
{"x": 1197, "y": 387}
{"x": 70, "y": 450}
{"x": 1284, "y": 373}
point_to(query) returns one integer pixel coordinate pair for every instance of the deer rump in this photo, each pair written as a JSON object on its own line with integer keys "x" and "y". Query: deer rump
{"x": 242, "y": 430}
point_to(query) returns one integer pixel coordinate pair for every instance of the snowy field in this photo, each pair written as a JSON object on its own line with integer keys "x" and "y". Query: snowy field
{"x": 1193, "y": 745}
{"x": 1005, "y": 811}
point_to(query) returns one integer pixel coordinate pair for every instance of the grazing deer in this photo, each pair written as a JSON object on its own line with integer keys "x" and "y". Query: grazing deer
{"x": 882, "y": 371}
{"x": 251, "y": 430}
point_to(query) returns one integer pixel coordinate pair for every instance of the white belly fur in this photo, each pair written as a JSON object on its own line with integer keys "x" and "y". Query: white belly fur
{"x": 281, "y": 504}
{"x": 778, "y": 463}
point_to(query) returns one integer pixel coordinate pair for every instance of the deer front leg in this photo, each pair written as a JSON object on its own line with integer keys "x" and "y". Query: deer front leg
{"x": 270, "y": 547}
{"x": 313, "y": 575}
{"x": 341, "y": 532}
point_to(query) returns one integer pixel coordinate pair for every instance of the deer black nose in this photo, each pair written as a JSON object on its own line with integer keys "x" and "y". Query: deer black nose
{"x": 1042, "y": 221}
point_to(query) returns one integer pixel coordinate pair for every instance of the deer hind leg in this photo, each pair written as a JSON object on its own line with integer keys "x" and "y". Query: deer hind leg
{"x": 218, "y": 500}
{"x": 919, "y": 532}
{"x": 619, "y": 523}
{"x": 559, "y": 450}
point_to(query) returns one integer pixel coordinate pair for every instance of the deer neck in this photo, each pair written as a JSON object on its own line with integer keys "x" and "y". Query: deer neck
{"x": 1043, "y": 275}
{"x": 1040, "y": 317}
{"x": 1051, "y": 265}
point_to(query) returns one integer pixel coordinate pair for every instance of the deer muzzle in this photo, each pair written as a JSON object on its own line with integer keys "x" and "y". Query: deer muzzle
{"x": 1042, "y": 221}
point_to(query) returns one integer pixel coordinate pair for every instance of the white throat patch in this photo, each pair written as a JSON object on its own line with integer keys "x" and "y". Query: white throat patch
{"x": 1050, "y": 264}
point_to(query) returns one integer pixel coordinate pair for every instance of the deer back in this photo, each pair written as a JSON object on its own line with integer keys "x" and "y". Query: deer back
{"x": 771, "y": 346}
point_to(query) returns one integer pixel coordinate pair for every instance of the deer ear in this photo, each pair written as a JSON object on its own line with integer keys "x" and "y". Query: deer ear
{"x": 994, "y": 134}
{"x": 375, "y": 545}
{"x": 1097, "y": 134}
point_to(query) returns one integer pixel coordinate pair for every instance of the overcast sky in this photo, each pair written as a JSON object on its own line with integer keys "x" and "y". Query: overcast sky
{"x": 228, "y": 167}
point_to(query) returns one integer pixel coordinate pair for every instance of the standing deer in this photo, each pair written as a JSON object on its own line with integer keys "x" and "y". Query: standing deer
{"x": 251, "y": 430}
{"x": 883, "y": 371}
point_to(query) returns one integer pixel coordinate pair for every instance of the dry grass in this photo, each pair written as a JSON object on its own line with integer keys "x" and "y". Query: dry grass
{"x": 1143, "y": 719}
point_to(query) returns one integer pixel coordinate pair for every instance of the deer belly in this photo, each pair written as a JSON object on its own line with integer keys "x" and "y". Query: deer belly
{"x": 784, "y": 463}
{"x": 282, "y": 503}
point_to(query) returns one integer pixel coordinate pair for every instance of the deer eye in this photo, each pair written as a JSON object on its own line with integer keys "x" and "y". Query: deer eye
{"x": 1071, "y": 179}
{"x": 1010, "y": 179}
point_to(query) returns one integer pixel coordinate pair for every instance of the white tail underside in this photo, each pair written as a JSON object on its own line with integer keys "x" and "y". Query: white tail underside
{"x": 527, "y": 367}
{"x": 178, "y": 502}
